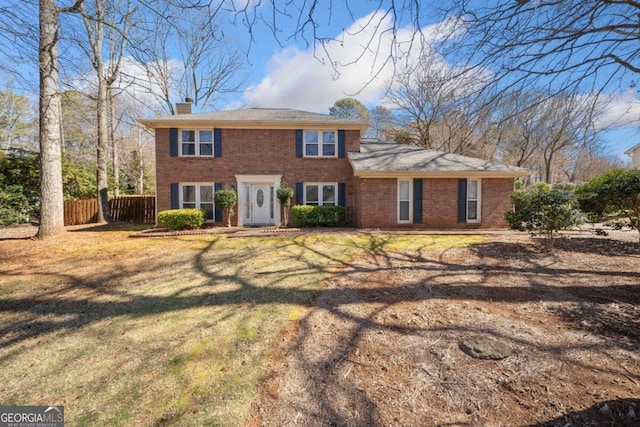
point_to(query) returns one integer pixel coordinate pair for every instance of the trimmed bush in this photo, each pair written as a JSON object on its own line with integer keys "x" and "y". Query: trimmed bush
{"x": 182, "y": 219}
{"x": 314, "y": 216}
{"x": 226, "y": 199}
{"x": 542, "y": 209}
{"x": 285, "y": 194}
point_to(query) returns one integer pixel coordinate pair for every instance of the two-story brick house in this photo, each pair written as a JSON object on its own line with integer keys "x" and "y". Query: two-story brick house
{"x": 327, "y": 161}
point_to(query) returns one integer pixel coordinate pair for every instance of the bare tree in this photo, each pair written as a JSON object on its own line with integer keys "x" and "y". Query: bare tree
{"x": 381, "y": 120}
{"x": 436, "y": 104}
{"x": 566, "y": 44}
{"x": 15, "y": 118}
{"x": 51, "y": 195}
{"x": 107, "y": 24}
{"x": 580, "y": 164}
{"x": 208, "y": 64}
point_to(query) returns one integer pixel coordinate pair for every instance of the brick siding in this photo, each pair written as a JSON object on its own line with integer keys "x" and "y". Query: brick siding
{"x": 369, "y": 202}
{"x": 251, "y": 152}
{"x": 376, "y": 203}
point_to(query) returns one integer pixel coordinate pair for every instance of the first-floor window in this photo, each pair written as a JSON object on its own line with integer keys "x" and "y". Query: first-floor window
{"x": 321, "y": 194}
{"x": 404, "y": 200}
{"x": 473, "y": 200}
{"x": 198, "y": 196}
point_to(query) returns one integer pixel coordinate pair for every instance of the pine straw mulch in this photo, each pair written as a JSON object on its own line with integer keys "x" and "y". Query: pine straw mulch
{"x": 381, "y": 345}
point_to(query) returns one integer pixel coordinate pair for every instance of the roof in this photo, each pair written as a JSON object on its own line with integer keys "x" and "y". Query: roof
{"x": 630, "y": 151}
{"x": 380, "y": 159}
{"x": 256, "y": 118}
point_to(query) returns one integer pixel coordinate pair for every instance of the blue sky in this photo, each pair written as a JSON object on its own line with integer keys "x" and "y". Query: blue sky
{"x": 293, "y": 74}
{"x": 288, "y": 72}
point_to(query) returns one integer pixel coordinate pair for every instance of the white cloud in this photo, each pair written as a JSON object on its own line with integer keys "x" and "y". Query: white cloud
{"x": 619, "y": 110}
{"x": 305, "y": 79}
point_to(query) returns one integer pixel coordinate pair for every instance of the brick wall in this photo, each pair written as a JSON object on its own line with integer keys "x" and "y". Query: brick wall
{"x": 497, "y": 201}
{"x": 251, "y": 152}
{"x": 371, "y": 202}
{"x": 377, "y": 203}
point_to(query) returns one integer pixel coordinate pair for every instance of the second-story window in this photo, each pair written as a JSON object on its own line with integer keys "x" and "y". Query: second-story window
{"x": 319, "y": 143}
{"x": 196, "y": 142}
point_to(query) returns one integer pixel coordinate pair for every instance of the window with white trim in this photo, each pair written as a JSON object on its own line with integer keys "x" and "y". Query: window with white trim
{"x": 198, "y": 196}
{"x": 404, "y": 200}
{"x": 473, "y": 200}
{"x": 320, "y": 143}
{"x": 321, "y": 194}
{"x": 196, "y": 142}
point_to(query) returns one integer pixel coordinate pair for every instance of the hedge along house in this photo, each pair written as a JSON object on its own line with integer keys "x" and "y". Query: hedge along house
{"x": 380, "y": 184}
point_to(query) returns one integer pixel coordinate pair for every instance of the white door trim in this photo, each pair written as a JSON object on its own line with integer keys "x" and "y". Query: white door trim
{"x": 244, "y": 209}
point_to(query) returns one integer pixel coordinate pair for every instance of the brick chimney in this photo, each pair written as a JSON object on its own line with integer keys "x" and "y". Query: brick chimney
{"x": 184, "y": 107}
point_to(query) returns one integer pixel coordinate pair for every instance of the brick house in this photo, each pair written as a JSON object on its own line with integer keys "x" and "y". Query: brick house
{"x": 325, "y": 159}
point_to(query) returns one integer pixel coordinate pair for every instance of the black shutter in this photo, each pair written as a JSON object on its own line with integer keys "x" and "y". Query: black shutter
{"x": 217, "y": 210}
{"x": 175, "y": 196}
{"x": 462, "y": 200}
{"x": 341, "y": 193}
{"x": 341, "y": 144}
{"x": 217, "y": 142}
{"x": 173, "y": 142}
{"x": 299, "y": 147}
{"x": 299, "y": 193}
{"x": 417, "y": 201}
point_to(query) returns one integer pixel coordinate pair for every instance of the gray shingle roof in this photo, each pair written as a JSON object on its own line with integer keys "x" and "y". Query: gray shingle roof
{"x": 388, "y": 158}
{"x": 255, "y": 117}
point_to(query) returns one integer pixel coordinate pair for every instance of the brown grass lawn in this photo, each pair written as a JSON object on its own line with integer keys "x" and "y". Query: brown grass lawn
{"x": 162, "y": 331}
{"x": 321, "y": 328}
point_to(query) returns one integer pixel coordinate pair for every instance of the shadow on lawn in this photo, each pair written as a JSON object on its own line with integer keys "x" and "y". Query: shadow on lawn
{"x": 618, "y": 413}
{"x": 535, "y": 279}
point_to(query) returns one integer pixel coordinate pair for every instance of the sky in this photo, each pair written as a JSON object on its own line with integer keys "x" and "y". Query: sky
{"x": 292, "y": 72}
{"x": 288, "y": 73}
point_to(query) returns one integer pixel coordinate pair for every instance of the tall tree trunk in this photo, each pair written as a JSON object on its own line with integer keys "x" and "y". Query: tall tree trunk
{"x": 102, "y": 157}
{"x": 141, "y": 165}
{"x": 51, "y": 195}
{"x": 114, "y": 145}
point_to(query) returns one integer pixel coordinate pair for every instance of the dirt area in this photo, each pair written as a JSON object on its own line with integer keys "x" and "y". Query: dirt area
{"x": 381, "y": 346}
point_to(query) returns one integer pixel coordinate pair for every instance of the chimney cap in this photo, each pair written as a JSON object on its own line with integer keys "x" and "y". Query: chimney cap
{"x": 188, "y": 100}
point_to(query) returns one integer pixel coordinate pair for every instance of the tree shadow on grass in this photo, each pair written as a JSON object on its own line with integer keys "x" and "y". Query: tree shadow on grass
{"x": 361, "y": 305}
{"x": 618, "y": 413}
{"x": 599, "y": 246}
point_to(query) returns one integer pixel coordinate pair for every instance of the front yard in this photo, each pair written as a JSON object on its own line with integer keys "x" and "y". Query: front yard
{"x": 319, "y": 329}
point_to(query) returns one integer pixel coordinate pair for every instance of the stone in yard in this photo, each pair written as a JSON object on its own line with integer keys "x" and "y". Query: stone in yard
{"x": 485, "y": 348}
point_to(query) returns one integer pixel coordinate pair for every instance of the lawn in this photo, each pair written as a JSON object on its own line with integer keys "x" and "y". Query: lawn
{"x": 163, "y": 331}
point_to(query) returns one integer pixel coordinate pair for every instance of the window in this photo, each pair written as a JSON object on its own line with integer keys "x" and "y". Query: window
{"x": 320, "y": 194}
{"x": 473, "y": 200}
{"x": 198, "y": 196}
{"x": 196, "y": 142}
{"x": 404, "y": 200}
{"x": 319, "y": 143}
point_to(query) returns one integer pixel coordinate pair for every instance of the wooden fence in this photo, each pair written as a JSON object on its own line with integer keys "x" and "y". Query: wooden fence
{"x": 136, "y": 209}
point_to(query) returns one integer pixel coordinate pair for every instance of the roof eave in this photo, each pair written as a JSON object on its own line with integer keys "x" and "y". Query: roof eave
{"x": 442, "y": 174}
{"x": 258, "y": 124}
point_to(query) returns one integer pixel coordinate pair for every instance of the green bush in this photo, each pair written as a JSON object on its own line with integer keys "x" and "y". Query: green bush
{"x": 615, "y": 193}
{"x": 314, "y": 216}
{"x": 14, "y": 206}
{"x": 285, "y": 194}
{"x": 542, "y": 209}
{"x": 226, "y": 199}
{"x": 182, "y": 219}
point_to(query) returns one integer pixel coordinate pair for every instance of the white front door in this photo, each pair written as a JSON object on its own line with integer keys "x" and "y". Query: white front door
{"x": 257, "y": 204}
{"x": 261, "y": 204}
